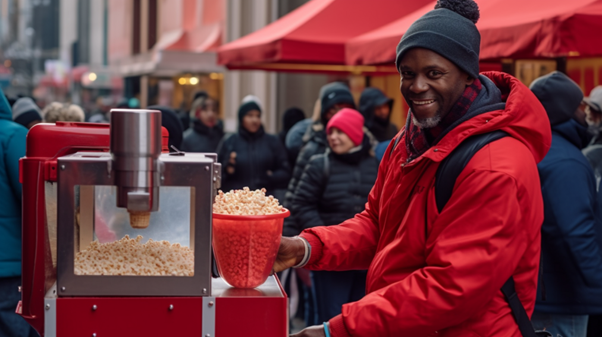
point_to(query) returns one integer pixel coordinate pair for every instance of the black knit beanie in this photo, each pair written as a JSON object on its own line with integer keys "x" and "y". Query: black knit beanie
{"x": 449, "y": 30}
{"x": 334, "y": 93}
{"x": 559, "y": 95}
{"x": 244, "y": 109}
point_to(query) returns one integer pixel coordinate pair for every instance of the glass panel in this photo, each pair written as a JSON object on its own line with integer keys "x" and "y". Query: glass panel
{"x": 110, "y": 246}
{"x": 50, "y": 196}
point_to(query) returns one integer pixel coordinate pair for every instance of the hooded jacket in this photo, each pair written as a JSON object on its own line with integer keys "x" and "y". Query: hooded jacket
{"x": 256, "y": 154}
{"x": 12, "y": 148}
{"x": 170, "y": 121}
{"x": 440, "y": 274}
{"x": 316, "y": 143}
{"x": 201, "y": 138}
{"x": 571, "y": 252}
{"x": 333, "y": 187}
{"x": 382, "y": 129}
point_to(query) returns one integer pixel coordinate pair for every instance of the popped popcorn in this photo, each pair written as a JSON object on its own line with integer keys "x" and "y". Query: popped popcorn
{"x": 246, "y": 202}
{"x": 130, "y": 257}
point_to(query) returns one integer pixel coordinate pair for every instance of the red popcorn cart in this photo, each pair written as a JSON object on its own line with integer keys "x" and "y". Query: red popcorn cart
{"x": 117, "y": 237}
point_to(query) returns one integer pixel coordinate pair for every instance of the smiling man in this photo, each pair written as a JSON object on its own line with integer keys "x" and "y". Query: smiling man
{"x": 439, "y": 270}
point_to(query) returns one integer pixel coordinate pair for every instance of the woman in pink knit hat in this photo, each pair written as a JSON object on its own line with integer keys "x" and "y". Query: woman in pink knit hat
{"x": 333, "y": 188}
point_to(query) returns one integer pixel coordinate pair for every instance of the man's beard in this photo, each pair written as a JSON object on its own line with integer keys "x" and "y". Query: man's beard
{"x": 427, "y": 123}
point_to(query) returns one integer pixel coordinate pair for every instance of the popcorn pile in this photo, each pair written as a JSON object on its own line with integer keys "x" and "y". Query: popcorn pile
{"x": 246, "y": 249}
{"x": 130, "y": 257}
{"x": 246, "y": 202}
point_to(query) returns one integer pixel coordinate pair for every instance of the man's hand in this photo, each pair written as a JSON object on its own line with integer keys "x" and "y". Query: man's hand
{"x": 312, "y": 331}
{"x": 290, "y": 253}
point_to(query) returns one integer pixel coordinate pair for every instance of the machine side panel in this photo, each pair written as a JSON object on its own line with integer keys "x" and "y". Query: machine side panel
{"x": 33, "y": 246}
{"x": 129, "y": 316}
{"x": 251, "y": 316}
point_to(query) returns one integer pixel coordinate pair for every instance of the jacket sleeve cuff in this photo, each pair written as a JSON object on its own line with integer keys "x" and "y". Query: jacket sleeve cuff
{"x": 316, "y": 247}
{"x": 337, "y": 327}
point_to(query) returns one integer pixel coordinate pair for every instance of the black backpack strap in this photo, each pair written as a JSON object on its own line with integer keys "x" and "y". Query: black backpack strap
{"x": 447, "y": 174}
{"x": 519, "y": 312}
{"x": 451, "y": 167}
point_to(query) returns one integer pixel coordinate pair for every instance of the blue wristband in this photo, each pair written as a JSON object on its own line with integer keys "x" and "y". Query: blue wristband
{"x": 326, "y": 332}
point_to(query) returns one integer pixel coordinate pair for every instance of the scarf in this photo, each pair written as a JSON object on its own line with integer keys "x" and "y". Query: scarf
{"x": 417, "y": 139}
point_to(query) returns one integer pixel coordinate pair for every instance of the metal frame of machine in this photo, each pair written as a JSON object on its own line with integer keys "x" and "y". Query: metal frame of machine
{"x": 126, "y": 308}
{"x": 91, "y": 169}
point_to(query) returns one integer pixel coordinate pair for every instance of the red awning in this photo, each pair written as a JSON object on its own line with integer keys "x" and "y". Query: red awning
{"x": 314, "y": 34}
{"x": 509, "y": 29}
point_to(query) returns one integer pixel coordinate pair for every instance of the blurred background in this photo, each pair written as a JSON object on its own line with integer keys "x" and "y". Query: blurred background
{"x": 98, "y": 53}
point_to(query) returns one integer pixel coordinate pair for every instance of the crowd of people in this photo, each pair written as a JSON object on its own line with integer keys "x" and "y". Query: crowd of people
{"x": 390, "y": 254}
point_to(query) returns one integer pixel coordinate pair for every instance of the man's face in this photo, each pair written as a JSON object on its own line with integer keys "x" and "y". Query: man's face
{"x": 207, "y": 114}
{"x": 431, "y": 85}
{"x": 382, "y": 111}
{"x": 336, "y": 108}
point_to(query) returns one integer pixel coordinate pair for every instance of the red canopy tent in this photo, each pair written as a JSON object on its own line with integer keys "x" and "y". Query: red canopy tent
{"x": 313, "y": 37}
{"x": 509, "y": 29}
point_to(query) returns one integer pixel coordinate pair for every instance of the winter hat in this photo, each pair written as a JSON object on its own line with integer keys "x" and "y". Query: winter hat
{"x": 199, "y": 94}
{"x": 26, "y": 111}
{"x": 559, "y": 95}
{"x": 170, "y": 120}
{"x": 595, "y": 99}
{"x": 334, "y": 93}
{"x": 449, "y": 30}
{"x": 249, "y": 103}
{"x": 351, "y": 122}
{"x": 291, "y": 117}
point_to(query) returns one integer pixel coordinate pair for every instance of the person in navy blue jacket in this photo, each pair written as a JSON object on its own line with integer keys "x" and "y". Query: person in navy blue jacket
{"x": 570, "y": 282}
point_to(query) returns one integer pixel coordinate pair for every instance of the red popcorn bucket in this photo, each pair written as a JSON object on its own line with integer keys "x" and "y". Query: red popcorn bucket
{"x": 246, "y": 246}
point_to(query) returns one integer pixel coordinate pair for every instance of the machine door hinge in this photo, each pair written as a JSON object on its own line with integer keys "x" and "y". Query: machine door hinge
{"x": 50, "y": 170}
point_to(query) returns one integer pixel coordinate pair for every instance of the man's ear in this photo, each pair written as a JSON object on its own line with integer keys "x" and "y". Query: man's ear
{"x": 469, "y": 80}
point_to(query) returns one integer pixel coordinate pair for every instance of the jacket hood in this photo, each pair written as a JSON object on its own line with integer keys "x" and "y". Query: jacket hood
{"x": 291, "y": 117}
{"x": 574, "y": 132}
{"x": 522, "y": 116}
{"x": 5, "y": 110}
{"x": 559, "y": 95}
{"x": 370, "y": 99}
{"x": 171, "y": 121}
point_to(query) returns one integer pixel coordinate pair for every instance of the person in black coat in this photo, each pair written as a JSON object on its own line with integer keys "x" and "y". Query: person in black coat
{"x": 207, "y": 130}
{"x": 376, "y": 109}
{"x": 252, "y": 158}
{"x": 333, "y": 188}
{"x": 291, "y": 117}
{"x": 170, "y": 120}
{"x": 333, "y": 97}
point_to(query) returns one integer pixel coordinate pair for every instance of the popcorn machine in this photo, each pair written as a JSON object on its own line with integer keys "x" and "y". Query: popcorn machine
{"x": 86, "y": 189}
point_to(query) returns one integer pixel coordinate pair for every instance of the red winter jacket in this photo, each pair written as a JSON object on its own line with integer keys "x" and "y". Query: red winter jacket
{"x": 447, "y": 282}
